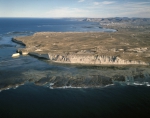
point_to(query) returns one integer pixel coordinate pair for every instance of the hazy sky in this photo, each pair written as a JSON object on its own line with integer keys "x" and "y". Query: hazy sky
{"x": 74, "y": 8}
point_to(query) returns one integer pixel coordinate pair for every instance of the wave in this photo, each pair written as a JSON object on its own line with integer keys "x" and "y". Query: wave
{"x": 67, "y": 87}
{"x": 92, "y": 84}
{"x": 109, "y": 85}
{"x": 53, "y": 86}
{"x": 54, "y": 76}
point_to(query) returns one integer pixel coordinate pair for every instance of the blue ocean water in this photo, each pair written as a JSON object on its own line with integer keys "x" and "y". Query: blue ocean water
{"x": 23, "y": 94}
{"x": 26, "y": 25}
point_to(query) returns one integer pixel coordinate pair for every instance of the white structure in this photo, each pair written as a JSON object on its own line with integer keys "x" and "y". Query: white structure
{"x": 16, "y": 55}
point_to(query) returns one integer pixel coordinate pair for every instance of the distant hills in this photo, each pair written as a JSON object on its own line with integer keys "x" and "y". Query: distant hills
{"x": 118, "y": 20}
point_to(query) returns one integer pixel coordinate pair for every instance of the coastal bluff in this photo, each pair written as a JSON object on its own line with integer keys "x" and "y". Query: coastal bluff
{"x": 92, "y": 48}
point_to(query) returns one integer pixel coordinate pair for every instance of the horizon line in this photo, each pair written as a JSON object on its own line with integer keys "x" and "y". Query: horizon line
{"x": 74, "y": 17}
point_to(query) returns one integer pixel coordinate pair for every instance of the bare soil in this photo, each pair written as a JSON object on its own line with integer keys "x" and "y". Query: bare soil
{"x": 127, "y": 43}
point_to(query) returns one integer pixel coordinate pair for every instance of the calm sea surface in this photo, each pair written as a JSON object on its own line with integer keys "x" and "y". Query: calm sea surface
{"x": 26, "y": 92}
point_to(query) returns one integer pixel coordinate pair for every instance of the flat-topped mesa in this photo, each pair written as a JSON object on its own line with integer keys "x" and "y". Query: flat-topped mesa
{"x": 88, "y": 47}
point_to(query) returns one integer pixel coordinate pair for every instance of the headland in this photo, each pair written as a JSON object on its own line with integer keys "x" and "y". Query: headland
{"x": 130, "y": 44}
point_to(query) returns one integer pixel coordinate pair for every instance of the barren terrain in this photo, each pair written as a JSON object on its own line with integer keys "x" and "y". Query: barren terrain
{"x": 128, "y": 45}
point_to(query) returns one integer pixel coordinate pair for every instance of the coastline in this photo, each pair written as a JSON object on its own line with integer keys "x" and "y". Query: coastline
{"x": 82, "y": 59}
{"x": 19, "y": 42}
{"x": 73, "y": 48}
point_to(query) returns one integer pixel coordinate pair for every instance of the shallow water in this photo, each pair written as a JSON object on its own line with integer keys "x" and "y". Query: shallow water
{"x": 32, "y": 87}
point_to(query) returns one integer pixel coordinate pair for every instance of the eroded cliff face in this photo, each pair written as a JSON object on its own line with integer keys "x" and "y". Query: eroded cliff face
{"x": 92, "y": 59}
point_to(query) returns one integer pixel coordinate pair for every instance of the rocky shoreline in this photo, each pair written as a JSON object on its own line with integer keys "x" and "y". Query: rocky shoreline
{"x": 81, "y": 59}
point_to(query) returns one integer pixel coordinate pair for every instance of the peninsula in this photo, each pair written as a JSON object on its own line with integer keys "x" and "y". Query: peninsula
{"x": 128, "y": 45}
